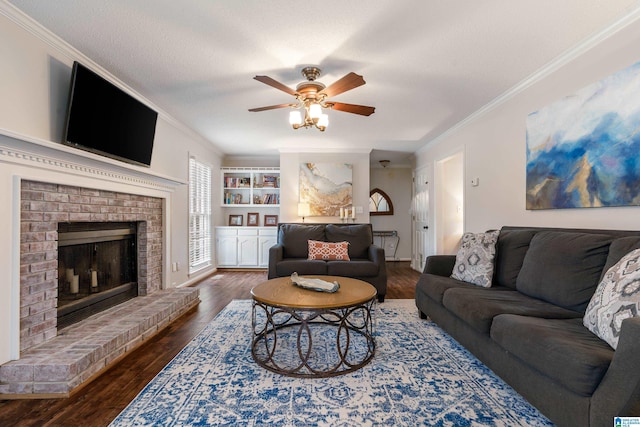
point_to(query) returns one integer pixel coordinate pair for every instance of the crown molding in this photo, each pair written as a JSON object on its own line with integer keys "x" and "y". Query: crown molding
{"x": 539, "y": 75}
{"x": 329, "y": 150}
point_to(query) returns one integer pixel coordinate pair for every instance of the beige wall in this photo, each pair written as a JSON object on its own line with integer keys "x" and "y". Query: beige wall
{"x": 397, "y": 184}
{"x": 289, "y": 171}
{"x": 494, "y": 146}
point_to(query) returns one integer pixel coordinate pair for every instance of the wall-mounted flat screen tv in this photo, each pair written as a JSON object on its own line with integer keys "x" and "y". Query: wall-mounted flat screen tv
{"x": 103, "y": 119}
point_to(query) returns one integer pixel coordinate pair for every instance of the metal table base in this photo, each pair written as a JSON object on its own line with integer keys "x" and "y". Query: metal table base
{"x": 312, "y": 343}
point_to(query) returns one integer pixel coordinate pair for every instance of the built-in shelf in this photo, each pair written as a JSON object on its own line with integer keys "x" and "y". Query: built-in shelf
{"x": 250, "y": 187}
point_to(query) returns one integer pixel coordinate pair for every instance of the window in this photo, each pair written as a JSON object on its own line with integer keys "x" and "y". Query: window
{"x": 199, "y": 215}
{"x": 379, "y": 203}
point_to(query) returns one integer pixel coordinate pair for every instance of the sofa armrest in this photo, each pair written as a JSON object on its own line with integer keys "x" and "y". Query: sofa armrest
{"x": 276, "y": 254}
{"x": 619, "y": 391}
{"x": 440, "y": 265}
{"x": 376, "y": 254}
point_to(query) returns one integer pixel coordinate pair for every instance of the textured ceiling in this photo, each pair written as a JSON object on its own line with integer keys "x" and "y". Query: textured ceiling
{"x": 428, "y": 64}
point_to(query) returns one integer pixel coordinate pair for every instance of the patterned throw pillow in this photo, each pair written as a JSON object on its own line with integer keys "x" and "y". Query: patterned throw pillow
{"x": 474, "y": 260}
{"x": 617, "y": 297}
{"x": 329, "y": 251}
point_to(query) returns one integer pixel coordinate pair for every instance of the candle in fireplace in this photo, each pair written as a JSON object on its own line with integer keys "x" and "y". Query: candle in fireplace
{"x": 75, "y": 284}
{"x": 69, "y": 274}
{"x": 94, "y": 279}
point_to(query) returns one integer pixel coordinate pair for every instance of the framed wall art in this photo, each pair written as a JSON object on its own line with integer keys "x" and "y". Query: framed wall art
{"x": 253, "y": 219}
{"x": 270, "y": 220}
{"x": 235, "y": 220}
{"x": 326, "y": 187}
{"x": 582, "y": 150}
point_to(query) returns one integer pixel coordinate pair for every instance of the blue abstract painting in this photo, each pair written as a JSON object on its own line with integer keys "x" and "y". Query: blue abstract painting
{"x": 584, "y": 150}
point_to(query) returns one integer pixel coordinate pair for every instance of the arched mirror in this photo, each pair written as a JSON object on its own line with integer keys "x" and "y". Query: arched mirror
{"x": 379, "y": 203}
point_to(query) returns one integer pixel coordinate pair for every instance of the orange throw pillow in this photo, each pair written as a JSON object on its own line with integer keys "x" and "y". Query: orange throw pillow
{"x": 329, "y": 251}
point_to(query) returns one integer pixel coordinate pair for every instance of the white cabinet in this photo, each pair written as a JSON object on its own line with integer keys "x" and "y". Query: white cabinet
{"x": 226, "y": 247}
{"x": 245, "y": 247}
{"x": 248, "y": 247}
{"x": 244, "y": 187}
{"x": 266, "y": 239}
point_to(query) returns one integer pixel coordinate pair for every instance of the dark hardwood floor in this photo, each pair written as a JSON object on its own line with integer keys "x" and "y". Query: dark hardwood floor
{"x": 98, "y": 403}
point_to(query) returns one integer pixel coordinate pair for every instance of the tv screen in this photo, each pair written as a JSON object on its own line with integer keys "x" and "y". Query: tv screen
{"x": 104, "y": 119}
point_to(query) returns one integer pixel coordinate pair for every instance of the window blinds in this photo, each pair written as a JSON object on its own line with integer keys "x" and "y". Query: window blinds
{"x": 199, "y": 215}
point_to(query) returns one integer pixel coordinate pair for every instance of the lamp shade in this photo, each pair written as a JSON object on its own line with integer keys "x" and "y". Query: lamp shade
{"x": 323, "y": 121}
{"x": 315, "y": 111}
{"x": 295, "y": 118}
{"x": 304, "y": 209}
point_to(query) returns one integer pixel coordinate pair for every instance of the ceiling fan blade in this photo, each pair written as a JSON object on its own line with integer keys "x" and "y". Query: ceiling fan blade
{"x": 276, "y": 84}
{"x": 363, "y": 110}
{"x": 348, "y": 82}
{"x": 270, "y": 107}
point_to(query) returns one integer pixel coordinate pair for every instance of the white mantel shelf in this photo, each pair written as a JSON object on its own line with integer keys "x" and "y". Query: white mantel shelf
{"x": 46, "y": 154}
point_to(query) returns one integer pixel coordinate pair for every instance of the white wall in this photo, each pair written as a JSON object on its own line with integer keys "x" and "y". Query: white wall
{"x": 35, "y": 73}
{"x": 289, "y": 173}
{"x": 397, "y": 184}
{"x": 449, "y": 203}
{"x": 494, "y": 145}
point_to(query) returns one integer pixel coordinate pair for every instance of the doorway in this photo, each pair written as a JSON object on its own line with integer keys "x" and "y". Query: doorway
{"x": 449, "y": 212}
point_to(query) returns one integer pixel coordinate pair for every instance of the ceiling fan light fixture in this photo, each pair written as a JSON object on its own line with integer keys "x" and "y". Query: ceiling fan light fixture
{"x": 315, "y": 111}
{"x": 311, "y": 98}
{"x": 295, "y": 118}
{"x": 323, "y": 121}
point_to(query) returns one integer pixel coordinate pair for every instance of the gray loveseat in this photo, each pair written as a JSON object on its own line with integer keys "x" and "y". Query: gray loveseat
{"x": 367, "y": 261}
{"x": 527, "y": 327}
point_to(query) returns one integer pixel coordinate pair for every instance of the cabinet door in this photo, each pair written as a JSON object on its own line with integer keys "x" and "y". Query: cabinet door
{"x": 227, "y": 251}
{"x": 248, "y": 251}
{"x": 265, "y": 242}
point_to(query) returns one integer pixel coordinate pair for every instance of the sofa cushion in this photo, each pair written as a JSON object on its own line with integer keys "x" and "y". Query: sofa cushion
{"x": 511, "y": 249}
{"x": 616, "y": 298}
{"x": 563, "y": 268}
{"x": 435, "y": 286}
{"x": 353, "y": 268}
{"x": 328, "y": 250}
{"x": 301, "y": 266}
{"x": 563, "y": 350}
{"x": 295, "y": 237}
{"x": 478, "y": 306}
{"x": 359, "y": 236}
{"x": 474, "y": 260}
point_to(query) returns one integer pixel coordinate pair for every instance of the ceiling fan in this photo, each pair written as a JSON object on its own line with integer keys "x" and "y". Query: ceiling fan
{"x": 311, "y": 97}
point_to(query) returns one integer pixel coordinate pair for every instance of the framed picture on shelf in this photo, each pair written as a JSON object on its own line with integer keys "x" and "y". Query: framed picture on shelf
{"x": 270, "y": 220}
{"x": 253, "y": 219}
{"x": 235, "y": 220}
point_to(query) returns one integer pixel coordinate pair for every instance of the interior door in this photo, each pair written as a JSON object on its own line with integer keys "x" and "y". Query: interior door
{"x": 420, "y": 219}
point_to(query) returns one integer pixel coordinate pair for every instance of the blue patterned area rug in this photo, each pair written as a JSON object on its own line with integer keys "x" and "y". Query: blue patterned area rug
{"x": 419, "y": 376}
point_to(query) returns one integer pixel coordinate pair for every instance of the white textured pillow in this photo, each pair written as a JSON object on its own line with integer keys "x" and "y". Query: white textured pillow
{"x": 474, "y": 260}
{"x": 617, "y": 297}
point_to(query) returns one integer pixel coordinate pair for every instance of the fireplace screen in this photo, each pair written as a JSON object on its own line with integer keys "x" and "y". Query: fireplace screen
{"x": 97, "y": 268}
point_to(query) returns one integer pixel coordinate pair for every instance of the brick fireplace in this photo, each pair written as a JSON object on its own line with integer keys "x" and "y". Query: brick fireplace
{"x": 43, "y": 206}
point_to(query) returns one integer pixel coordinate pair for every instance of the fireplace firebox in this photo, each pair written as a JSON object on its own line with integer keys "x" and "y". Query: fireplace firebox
{"x": 97, "y": 268}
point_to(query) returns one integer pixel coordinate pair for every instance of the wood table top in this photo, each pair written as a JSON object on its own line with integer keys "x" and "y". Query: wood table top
{"x": 283, "y": 293}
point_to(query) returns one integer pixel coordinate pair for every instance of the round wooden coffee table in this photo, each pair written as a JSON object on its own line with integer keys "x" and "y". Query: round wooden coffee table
{"x": 305, "y": 333}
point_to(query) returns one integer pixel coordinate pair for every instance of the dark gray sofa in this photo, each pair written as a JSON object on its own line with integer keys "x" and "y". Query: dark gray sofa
{"x": 367, "y": 261}
{"x": 527, "y": 327}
